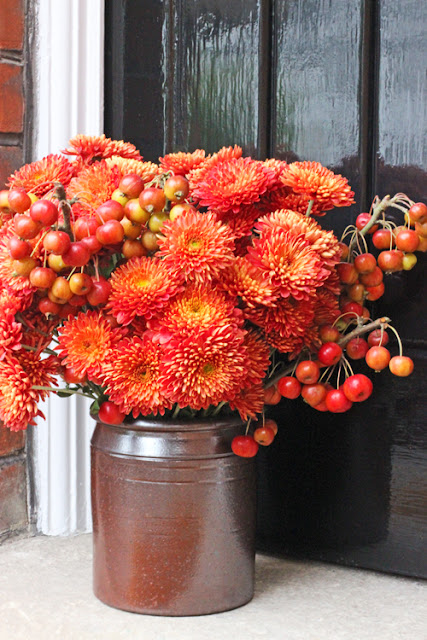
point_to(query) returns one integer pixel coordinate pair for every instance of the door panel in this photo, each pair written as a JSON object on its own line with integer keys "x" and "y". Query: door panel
{"x": 341, "y": 82}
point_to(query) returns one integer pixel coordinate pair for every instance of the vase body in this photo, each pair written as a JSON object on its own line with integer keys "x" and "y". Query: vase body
{"x": 173, "y": 517}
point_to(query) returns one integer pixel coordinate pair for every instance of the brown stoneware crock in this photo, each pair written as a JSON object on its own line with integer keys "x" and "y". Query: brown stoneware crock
{"x": 173, "y": 516}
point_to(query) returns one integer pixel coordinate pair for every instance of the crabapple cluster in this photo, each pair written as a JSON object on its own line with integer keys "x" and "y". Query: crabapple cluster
{"x": 63, "y": 257}
{"x": 247, "y": 445}
{"x": 361, "y": 276}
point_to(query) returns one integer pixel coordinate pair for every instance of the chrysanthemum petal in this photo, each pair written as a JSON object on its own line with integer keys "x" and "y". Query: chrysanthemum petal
{"x": 318, "y": 183}
{"x": 141, "y": 287}
{"x": 39, "y": 177}
{"x": 131, "y": 377}
{"x": 197, "y": 246}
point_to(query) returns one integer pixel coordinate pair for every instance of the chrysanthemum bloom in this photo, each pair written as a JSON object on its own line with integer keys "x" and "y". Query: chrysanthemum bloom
{"x": 224, "y": 154}
{"x": 249, "y": 283}
{"x": 333, "y": 283}
{"x": 200, "y": 306}
{"x": 249, "y": 401}
{"x": 318, "y": 183}
{"x": 84, "y": 342}
{"x": 297, "y": 202}
{"x": 292, "y": 266}
{"x": 229, "y": 185}
{"x": 289, "y": 318}
{"x": 326, "y": 309}
{"x": 324, "y": 243}
{"x": 145, "y": 170}
{"x": 278, "y": 167}
{"x": 291, "y": 345}
{"x": 94, "y": 185}
{"x": 240, "y": 223}
{"x": 197, "y": 246}
{"x": 18, "y": 399}
{"x": 131, "y": 377}
{"x": 38, "y": 328}
{"x": 258, "y": 355}
{"x": 141, "y": 287}
{"x": 182, "y": 163}
{"x": 12, "y": 301}
{"x": 94, "y": 148}
{"x": 204, "y": 367}
{"x": 272, "y": 200}
{"x": 10, "y": 334}
{"x": 39, "y": 177}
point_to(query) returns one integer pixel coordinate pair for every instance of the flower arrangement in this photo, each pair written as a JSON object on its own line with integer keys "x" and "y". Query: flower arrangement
{"x": 199, "y": 285}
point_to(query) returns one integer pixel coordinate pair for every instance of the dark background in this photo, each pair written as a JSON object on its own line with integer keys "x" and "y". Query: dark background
{"x": 342, "y": 82}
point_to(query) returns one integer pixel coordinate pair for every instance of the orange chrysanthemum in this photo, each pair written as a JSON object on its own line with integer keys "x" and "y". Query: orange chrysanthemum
{"x": 84, "y": 342}
{"x": 296, "y": 202}
{"x": 197, "y": 246}
{"x": 249, "y": 283}
{"x": 326, "y": 309}
{"x": 94, "y": 185}
{"x": 39, "y": 177}
{"x": 324, "y": 243}
{"x": 200, "y": 306}
{"x": 93, "y": 148}
{"x": 204, "y": 367}
{"x": 258, "y": 354}
{"x": 10, "y": 335}
{"x": 278, "y": 167}
{"x": 292, "y": 344}
{"x": 241, "y": 223}
{"x": 141, "y": 287}
{"x": 318, "y": 183}
{"x": 182, "y": 163}
{"x": 223, "y": 155}
{"x": 145, "y": 170}
{"x": 18, "y": 399}
{"x": 291, "y": 265}
{"x": 38, "y": 328}
{"x": 131, "y": 377}
{"x": 249, "y": 401}
{"x": 289, "y": 318}
{"x": 12, "y": 301}
{"x": 229, "y": 185}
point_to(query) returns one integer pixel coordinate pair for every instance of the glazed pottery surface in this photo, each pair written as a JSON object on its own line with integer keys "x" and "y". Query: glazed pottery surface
{"x": 173, "y": 517}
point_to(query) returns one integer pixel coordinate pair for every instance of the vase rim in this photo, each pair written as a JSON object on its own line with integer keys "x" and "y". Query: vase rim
{"x": 173, "y": 424}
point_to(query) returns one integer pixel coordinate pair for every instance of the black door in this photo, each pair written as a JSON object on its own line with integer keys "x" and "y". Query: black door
{"x": 342, "y": 82}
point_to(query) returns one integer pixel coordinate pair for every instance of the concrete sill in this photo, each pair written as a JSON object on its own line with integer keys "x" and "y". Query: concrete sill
{"x": 46, "y": 592}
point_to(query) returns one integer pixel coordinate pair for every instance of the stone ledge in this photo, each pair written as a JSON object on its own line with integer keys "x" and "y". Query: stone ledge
{"x": 46, "y": 592}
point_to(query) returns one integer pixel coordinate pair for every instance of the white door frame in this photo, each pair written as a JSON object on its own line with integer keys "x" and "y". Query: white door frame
{"x": 68, "y": 99}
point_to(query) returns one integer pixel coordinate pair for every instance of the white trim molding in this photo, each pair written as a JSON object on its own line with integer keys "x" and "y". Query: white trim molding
{"x": 69, "y": 85}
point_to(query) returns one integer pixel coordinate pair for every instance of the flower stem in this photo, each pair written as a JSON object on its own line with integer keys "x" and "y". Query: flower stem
{"x": 309, "y": 208}
{"x": 71, "y": 392}
{"x": 45, "y": 350}
{"x": 218, "y": 408}
{"x": 176, "y": 411}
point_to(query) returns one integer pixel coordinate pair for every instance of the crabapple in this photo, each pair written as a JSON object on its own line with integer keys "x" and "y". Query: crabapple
{"x": 289, "y": 387}
{"x": 401, "y": 366}
{"x": 357, "y": 387}
{"x": 244, "y": 446}
{"x": 329, "y": 353}
{"x": 377, "y": 358}
{"x": 337, "y": 402}
{"x": 308, "y": 371}
{"x": 109, "y": 413}
{"x": 264, "y": 435}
